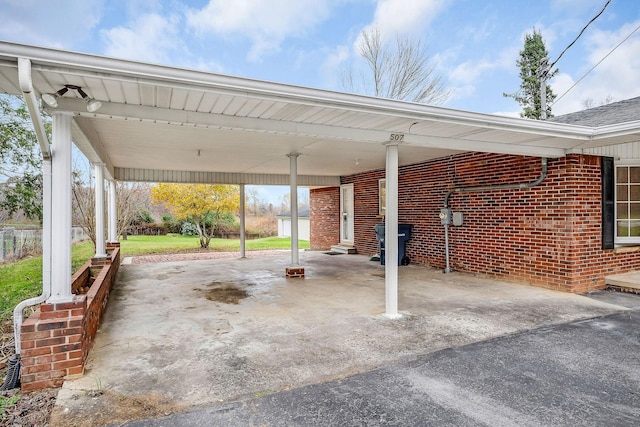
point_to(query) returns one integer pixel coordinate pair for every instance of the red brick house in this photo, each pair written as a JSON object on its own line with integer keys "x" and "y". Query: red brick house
{"x": 568, "y": 231}
{"x": 550, "y": 222}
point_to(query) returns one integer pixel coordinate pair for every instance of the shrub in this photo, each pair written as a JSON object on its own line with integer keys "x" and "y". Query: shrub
{"x": 171, "y": 224}
{"x": 188, "y": 229}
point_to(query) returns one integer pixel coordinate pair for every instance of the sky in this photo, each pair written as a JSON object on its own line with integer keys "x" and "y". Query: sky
{"x": 472, "y": 44}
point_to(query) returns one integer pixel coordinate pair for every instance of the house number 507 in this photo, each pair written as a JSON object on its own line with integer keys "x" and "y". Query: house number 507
{"x": 397, "y": 137}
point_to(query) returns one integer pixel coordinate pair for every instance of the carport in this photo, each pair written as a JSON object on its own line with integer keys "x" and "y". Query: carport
{"x": 164, "y": 124}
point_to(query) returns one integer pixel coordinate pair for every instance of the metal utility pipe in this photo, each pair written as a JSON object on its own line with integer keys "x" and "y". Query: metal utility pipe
{"x": 514, "y": 186}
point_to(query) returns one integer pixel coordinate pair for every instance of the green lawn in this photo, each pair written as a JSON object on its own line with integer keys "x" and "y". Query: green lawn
{"x": 23, "y": 279}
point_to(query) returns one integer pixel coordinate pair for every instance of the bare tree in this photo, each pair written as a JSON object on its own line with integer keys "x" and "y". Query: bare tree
{"x": 590, "y": 103}
{"x": 401, "y": 71}
{"x": 130, "y": 199}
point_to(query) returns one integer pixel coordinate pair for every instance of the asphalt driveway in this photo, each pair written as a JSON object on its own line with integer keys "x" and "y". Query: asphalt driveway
{"x": 584, "y": 373}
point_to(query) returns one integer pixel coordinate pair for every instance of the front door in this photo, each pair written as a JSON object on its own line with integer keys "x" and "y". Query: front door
{"x": 346, "y": 214}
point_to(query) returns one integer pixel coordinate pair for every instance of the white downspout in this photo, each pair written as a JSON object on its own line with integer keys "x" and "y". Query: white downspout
{"x": 18, "y": 315}
{"x": 26, "y": 85}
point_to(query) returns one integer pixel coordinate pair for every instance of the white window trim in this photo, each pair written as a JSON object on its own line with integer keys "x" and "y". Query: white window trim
{"x": 617, "y": 239}
{"x": 382, "y": 193}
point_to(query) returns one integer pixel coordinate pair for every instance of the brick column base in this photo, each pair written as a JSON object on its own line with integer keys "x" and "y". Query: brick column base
{"x": 294, "y": 273}
{"x": 51, "y": 345}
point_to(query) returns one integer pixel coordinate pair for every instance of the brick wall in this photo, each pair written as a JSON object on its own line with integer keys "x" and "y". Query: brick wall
{"x": 549, "y": 235}
{"x": 56, "y": 338}
{"x": 324, "y": 208}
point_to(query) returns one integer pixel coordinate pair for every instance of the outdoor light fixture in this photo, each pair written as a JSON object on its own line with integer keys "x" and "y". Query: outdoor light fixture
{"x": 51, "y": 99}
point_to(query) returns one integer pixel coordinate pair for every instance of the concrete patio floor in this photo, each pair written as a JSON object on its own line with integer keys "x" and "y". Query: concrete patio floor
{"x": 184, "y": 334}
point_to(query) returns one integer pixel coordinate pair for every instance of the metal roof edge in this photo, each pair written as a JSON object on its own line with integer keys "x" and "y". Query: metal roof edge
{"x": 288, "y": 92}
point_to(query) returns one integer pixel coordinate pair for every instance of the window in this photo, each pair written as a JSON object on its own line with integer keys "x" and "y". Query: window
{"x": 627, "y": 204}
{"x": 382, "y": 197}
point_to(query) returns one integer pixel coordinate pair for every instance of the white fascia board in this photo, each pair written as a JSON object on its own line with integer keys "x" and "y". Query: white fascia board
{"x": 483, "y": 146}
{"x": 248, "y": 124}
{"x": 617, "y": 130}
{"x": 71, "y": 63}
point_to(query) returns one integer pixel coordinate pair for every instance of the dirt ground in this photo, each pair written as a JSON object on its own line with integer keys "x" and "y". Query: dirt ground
{"x": 30, "y": 409}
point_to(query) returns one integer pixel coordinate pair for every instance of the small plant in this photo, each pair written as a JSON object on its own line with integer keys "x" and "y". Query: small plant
{"x": 6, "y": 402}
{"x": 98, "y": 390}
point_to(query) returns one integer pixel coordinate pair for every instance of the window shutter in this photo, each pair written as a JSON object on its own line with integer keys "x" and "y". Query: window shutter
{"x": 608, "y": 202}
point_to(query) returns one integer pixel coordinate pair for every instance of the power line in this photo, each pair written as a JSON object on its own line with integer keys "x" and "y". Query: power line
{"x": 579, "y": 34}
{"x": 598, "y": 63}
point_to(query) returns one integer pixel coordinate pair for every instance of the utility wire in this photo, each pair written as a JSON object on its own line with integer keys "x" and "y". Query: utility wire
{"x": 579, "y": 34}
{"x": 598, "y": 63}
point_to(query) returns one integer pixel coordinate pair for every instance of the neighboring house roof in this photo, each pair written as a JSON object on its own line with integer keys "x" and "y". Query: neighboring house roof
{"x": 609, "y": 114}
{"x": 302, "y": 213}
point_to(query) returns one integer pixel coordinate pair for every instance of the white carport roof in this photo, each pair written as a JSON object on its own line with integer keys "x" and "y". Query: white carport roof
{"x": 160, "y": 123}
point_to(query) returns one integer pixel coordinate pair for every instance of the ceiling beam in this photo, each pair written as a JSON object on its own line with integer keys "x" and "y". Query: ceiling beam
{"x": 88, "y": 142}
{"x": 195, "y": 177}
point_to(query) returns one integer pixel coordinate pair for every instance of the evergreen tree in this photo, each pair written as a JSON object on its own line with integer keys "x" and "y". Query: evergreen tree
{"x": 531, "y": 61}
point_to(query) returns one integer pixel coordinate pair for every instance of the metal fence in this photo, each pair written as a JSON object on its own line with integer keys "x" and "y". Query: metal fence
{"x": 16, "y": 244}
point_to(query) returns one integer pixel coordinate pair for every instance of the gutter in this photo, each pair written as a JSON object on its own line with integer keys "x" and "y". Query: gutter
{"x": 543, "y": 174}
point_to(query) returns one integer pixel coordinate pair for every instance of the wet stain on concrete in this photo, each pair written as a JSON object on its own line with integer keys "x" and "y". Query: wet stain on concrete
{"x": 226, "y": 293}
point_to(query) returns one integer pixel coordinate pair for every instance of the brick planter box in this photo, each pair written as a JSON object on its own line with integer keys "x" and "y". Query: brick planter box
{"x": 56, "y": 339}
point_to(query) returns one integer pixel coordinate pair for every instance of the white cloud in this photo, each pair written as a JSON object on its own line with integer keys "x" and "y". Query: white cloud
{"x": 333, "y": 65}
{"x": 405, "y": 16}
{"x": 615, "y": 77}
{"x": 56, "y": 23}
{"x": 266, "y": 23}
{"x": 466, "y": 76}
{"x": 150, "y": 38}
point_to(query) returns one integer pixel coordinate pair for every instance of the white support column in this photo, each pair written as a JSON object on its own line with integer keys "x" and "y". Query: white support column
{"x": 101, "y": 251}
{"x": 293, "y": 183}
{"x": 391, "y": 233}
{"x": 243, "y": 240}
{"x": 61, "y": 209}
{"x": 113, "y": 213}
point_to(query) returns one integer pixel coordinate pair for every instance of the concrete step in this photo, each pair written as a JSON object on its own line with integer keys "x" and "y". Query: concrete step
{"x": 344, "y": 249}
{"x": 626, "y": 282}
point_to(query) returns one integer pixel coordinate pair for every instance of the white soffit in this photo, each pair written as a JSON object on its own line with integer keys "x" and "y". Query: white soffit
{"x": 156, "y": 118}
